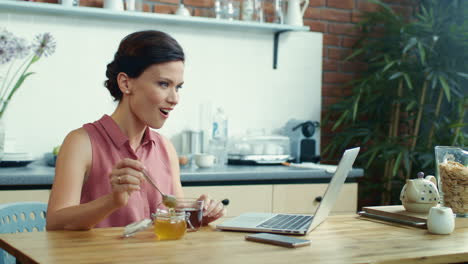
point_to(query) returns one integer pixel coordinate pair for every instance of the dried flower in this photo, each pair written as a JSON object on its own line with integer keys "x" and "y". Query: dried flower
{"x": 13, "y": 48}
{"x": 44, "y": 45}
{"x": 7, "y": 46}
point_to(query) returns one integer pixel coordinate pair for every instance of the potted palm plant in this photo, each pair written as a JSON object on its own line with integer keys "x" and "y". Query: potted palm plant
{"x": 412, "y": 96}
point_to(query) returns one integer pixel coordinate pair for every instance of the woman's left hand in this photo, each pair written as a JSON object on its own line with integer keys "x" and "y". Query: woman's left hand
{"x": 212, "y": 209}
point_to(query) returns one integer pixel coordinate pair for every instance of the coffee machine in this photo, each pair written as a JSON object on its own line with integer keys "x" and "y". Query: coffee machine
{"x": 303, "y": 146}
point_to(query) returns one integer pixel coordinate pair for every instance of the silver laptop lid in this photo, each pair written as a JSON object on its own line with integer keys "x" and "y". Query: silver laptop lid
{"x": 334, "y": 187}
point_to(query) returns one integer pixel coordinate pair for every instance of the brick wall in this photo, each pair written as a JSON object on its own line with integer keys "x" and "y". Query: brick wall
{"x": 334, "y": 18}
{"x": 337, "y": 19}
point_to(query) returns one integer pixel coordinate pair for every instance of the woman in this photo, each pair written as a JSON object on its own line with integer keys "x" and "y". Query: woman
{"x": 98, "y": 176}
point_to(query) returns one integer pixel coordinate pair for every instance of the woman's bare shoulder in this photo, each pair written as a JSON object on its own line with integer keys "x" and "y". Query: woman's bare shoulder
{"x": 77, "y": 142}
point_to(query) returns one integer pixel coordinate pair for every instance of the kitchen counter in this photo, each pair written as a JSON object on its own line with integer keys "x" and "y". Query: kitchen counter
{"x": 38, "y": 175}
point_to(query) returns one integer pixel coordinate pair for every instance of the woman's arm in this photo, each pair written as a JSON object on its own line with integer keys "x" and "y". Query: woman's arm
{"x": 73, "y": 163}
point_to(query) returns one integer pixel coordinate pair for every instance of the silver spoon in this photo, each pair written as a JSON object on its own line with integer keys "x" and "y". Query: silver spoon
{"x": 169, "y": 201}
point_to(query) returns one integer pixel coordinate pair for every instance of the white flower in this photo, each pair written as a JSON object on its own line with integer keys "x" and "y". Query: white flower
{"x": 7, "y": 46}
{"x": 44, "y": 45}
{"x": 21, "y": 48}
{"x": 11, "y": 48}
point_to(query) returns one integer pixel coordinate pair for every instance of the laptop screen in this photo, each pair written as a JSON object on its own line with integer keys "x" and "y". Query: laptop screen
{"x": 333, "y": 190}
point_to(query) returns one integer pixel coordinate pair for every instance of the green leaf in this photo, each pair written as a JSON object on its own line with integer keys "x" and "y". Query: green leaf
{"x": 422, "y": 53}
{"x": 445, "y": 86}
{"x": 413, "y": 41}
{"x": 458, "y": 125}
{"x": 408, "y": 81}
{"x": 395, "y": 75}
{"x": 397, "y": 164}
{"x": 354, "y": 54}
{"x": 18, "y": 83}
{"x": 388, "y": 66}
{"x": 355, "y": 107}
{"x": 411, "y": 105}
{"x": 372, "y": 157}
{"x": 464, "y": 75}
{"x": 338, "y": 123}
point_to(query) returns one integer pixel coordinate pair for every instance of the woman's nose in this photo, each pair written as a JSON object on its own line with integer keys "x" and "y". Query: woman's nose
{"x": 173, "y": 97}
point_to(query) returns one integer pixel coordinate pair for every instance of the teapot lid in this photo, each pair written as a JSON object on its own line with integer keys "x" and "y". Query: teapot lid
{"x": 420, "y": 175}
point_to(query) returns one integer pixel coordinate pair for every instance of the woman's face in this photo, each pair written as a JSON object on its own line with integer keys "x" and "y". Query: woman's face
{"x": 154, "y": 94}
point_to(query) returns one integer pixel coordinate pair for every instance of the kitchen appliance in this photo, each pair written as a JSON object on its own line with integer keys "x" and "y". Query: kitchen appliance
{"x": 192, "y": 142}
{"x": 303, "y": 146}
{"x": 251, "y": 150}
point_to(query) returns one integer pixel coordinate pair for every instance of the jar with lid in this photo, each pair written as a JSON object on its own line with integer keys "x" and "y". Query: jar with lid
{"x": 452, "y": 177}
{"x": 169, "y": 225}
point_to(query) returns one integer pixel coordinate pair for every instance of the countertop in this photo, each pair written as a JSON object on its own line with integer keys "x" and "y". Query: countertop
{"x": 340, "y": 239}
{"x": 38, "y": 175}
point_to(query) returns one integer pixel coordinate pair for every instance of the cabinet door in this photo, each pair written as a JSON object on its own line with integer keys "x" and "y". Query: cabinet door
{"x": 243, "y": 198}
{"x": 302, "y": 198}
{"x": 24, "y": 196}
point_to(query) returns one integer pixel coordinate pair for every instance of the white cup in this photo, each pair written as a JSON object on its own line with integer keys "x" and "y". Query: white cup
{"x": 204, "y": 160}
{"x": 116, "y": 5}
{"x": 441, "y": 220}
{"x": 70, "y": 2}
{"x": 130, "y": 5}
{"x": 182, "y": 11}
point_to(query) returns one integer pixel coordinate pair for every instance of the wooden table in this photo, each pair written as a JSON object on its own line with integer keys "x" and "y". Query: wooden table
{"x": 341, "y": 239}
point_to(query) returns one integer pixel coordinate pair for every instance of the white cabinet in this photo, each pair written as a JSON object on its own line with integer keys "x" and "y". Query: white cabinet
{"x": 242, "y": 198}
{"x": 24, "y": 196}
{"x": 278, "y": 198}
{"x": 305, "y": 198}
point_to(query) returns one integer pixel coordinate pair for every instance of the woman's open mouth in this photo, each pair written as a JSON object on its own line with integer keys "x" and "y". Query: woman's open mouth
{"x": 165, "y": 112}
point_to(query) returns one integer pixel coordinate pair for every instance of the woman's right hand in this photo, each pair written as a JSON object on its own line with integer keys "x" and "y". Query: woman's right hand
{"x": 125, "y": 178}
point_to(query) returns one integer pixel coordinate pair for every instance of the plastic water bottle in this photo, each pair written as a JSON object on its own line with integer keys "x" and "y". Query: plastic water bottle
{"x": 220, "y": 126}
{"x": 219, "y": 137}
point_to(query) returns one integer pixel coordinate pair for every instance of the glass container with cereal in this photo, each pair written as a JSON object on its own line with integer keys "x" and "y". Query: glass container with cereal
{"x": 452, "y": 177}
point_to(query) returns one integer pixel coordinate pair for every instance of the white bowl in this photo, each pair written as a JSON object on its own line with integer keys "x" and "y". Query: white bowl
{"x": 204, "y": 160}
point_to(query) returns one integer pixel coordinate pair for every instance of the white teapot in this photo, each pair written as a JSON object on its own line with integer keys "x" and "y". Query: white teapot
{"x": 419, "y": 195}
{"x": 295, "y": 12}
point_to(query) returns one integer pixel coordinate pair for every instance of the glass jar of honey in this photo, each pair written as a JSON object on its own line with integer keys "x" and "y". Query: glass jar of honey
{"x": 169, "y": 225}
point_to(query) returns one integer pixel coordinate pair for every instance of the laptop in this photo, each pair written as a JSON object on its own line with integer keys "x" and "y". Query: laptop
{"x": 295, "y": 224}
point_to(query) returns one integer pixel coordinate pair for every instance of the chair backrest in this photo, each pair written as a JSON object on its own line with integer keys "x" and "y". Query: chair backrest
{"x": 21, "y": 217}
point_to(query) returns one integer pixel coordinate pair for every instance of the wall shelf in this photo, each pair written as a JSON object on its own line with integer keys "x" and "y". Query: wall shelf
{"x": 104, "y": 14}
{"x": 156, "y": 18}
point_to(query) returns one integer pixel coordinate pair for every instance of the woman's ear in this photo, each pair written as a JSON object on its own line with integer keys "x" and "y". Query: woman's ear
{"x": 124, "y": 83}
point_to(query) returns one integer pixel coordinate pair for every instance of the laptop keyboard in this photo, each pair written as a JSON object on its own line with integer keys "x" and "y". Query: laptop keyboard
{"x": 287, "y": 222}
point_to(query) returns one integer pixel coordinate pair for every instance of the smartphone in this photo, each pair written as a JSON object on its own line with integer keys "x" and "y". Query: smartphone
{"x": 279, "y": 240}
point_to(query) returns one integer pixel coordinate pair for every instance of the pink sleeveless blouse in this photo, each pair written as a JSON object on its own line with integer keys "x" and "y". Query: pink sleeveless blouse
{"x": 109, "y": 146}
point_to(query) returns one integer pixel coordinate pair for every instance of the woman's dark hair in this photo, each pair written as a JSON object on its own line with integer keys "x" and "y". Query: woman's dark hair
{"x": 137, "y": 52}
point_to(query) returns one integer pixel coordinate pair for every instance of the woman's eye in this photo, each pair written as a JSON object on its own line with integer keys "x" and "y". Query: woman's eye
{"x": 164, "y": 84}
{"x": 178, "y": 87}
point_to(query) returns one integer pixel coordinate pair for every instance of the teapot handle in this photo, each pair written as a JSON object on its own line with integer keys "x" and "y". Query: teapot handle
{"x": 304, "y": 7}
{"x": 432, "y": 179}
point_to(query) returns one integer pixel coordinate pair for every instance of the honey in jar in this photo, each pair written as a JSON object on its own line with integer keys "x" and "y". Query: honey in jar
{"x": 169, "y": 225}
